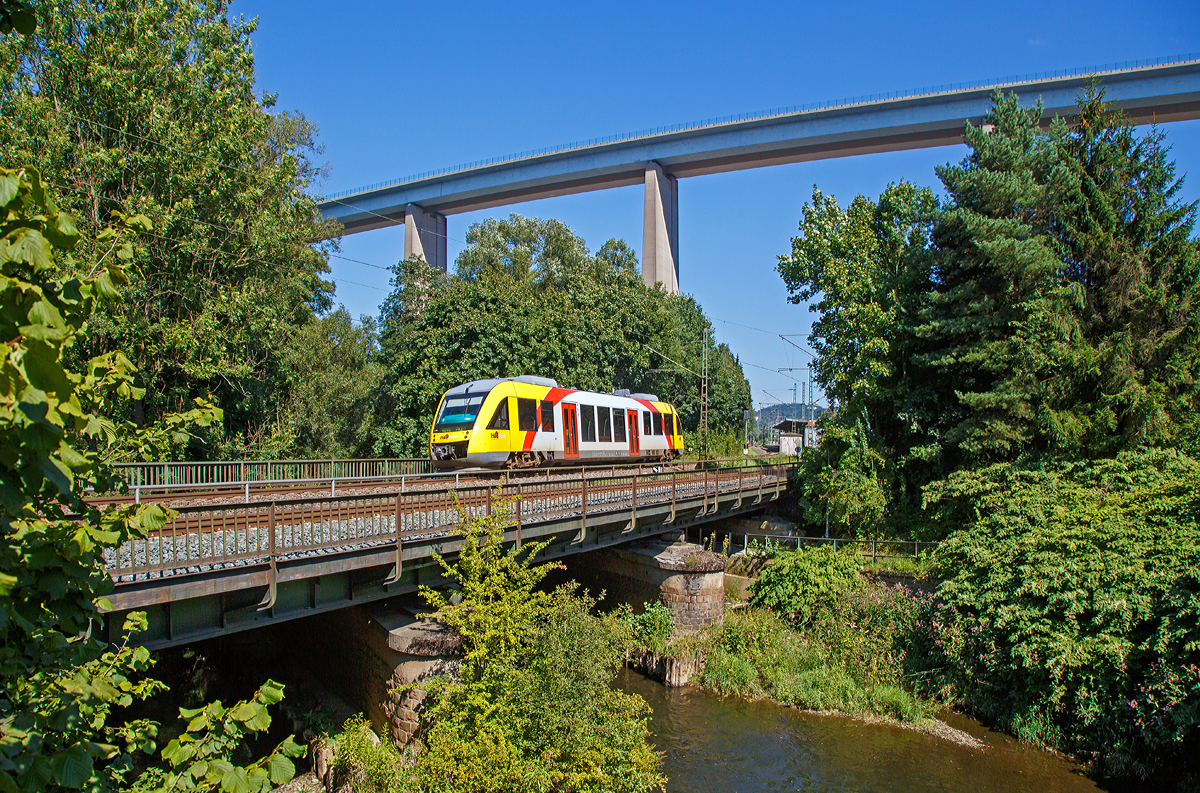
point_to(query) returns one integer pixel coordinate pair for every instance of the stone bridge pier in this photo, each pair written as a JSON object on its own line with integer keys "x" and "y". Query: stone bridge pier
{"x": 684, "y": 577}
{"x": 370, "y": 652}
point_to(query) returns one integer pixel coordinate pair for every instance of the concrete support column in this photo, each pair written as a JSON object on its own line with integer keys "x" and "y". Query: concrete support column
{"x": 425, "y": 235}
{"x": 660, "y": 230}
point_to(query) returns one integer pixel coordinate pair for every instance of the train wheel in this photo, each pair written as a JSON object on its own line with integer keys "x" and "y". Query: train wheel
{"x": 523, "y": 460}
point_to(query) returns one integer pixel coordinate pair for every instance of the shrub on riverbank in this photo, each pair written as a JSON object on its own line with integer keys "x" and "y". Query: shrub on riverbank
{"x": 800, "y": 583}
{"x": 1071, "y": 608}
{"x": 651, "y": 630}
{"x": 533, "y": 708}
{"x": 843, "y": 660}
{"x": 365, "y": 764}
{"x": 818, "y": 636}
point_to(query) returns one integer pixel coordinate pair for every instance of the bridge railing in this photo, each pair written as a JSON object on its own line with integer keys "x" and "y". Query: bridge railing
{"x": 211, "y": 536}
{"x": 174, "y": 479}
{"x": 873, "y": 548}
{"x": 226, "y": 472}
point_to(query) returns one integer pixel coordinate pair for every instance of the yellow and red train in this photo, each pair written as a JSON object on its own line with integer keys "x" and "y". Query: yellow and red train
{"x": 527, "y": 422}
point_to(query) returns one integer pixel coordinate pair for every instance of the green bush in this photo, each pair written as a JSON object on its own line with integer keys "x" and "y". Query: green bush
{"x": 800, "y": 582}
{"x": 533, "y": 709}
{"x": 364, "y": 763}
{"x": 651, "y": 630}
{"x": 1071, "y": 608}
{"x": 754, "y": 654}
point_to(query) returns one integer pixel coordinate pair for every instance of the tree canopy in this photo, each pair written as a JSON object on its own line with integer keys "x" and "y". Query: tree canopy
{"x": 529, "y": 298}
{"x": 149, "y": 107}
{"x": 1043, "y": 308}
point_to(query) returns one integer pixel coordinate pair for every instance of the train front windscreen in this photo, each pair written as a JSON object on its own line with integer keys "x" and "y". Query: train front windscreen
{"x": 459, "y": 412}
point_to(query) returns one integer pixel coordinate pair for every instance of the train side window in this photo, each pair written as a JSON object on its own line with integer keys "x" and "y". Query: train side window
{"x": 647, "y": 427}
{"x": 658, "y": 424}
{"x": 669, "y": 423}
{"x": 587, "y": 423}
{"x": 604, "y": 419}
{"x": 527, "y": 414}
{"x": 500, "y": 417}
{"x": 619, "y": 425}
{"x": 547, "y": 416}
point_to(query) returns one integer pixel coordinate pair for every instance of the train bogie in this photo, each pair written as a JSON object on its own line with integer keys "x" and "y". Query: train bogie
{"x": 527, "y": 422}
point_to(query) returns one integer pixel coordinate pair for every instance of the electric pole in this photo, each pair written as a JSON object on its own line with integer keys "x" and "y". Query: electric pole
{"x": 703, "y": 430}
{"x": 704, "y": 405}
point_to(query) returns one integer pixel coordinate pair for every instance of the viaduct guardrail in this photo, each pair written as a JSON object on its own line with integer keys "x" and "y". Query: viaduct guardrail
{"x": 225, "y": 565}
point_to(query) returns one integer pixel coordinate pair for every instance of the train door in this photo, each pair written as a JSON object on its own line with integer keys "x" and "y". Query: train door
{"x": 570, "y": 431}
{"x": 635, "y": 448}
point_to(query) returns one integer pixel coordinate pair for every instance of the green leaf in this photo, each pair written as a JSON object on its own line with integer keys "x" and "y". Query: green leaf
{"x": 23, "y": 21}
{"x": 105, "y": 287}
{"x": 9, "y": 183}
{"x": 56, "y": 473}
{"x": 280, "y": 768}
{"x": 245, "y": 711}
{"x": 7, "y": 582}
{"x": 220, "y": 768}
{"x": 44, "y": 369}
{"x": 62, "y": 232}
{"x": 260, "y": 721}
{"x": 270, "y": 693}
{"x": 32, "y": 248}
{"x": 291, "y": 748}
{"x": 236, "y": 781}
{"x": 176, "y": 753}
{"x": 72, "y": 767}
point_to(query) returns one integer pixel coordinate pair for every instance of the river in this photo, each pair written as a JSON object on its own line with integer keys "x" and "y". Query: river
{"x": 715, "y": 744}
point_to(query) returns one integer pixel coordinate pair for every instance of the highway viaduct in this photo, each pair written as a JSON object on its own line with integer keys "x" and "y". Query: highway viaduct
{"x": 1149, "y": 92}
{"x": 241, "y": 555}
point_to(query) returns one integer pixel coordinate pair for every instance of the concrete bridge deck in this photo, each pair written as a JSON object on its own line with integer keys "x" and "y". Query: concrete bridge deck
{"x": 223, "y": 567}
{"x": 1151, "y": 92}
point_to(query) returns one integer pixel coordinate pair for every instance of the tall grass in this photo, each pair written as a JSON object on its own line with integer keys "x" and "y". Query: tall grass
{"x": 834, "y": 665}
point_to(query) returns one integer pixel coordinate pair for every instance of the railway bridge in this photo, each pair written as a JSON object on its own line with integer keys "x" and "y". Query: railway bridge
{"x": 313, "y": 537}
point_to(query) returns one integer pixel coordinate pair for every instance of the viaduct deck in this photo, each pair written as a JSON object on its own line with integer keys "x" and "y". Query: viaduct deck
{"x": 226, "y": 565}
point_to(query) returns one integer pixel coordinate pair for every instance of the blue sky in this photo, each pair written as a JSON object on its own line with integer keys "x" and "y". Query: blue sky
{"x": 400, "y": 88}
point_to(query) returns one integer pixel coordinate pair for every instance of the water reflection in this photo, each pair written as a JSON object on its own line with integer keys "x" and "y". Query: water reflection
{"x": 732, "y": 745}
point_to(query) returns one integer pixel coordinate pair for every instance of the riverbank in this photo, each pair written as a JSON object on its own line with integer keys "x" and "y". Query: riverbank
{"x": 819, "y": 634}
{"x": 711, "y": 743}
{"x": 838, "y": 667}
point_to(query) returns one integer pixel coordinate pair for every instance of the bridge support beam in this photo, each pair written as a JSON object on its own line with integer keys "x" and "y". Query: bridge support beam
{"x": 660, "y": 230}
{"x": 425, "y": 235}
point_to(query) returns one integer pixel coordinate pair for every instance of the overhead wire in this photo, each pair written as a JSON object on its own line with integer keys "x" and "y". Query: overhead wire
{"x": 748, "y": 327}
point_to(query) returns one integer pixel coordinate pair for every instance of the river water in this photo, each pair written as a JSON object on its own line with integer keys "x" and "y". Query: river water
{"x": 715, "y": 744}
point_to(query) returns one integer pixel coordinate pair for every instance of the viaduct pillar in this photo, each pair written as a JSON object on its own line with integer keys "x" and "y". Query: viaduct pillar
{"x": 660, "y": 230}
{"x": 425, "y": 235}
